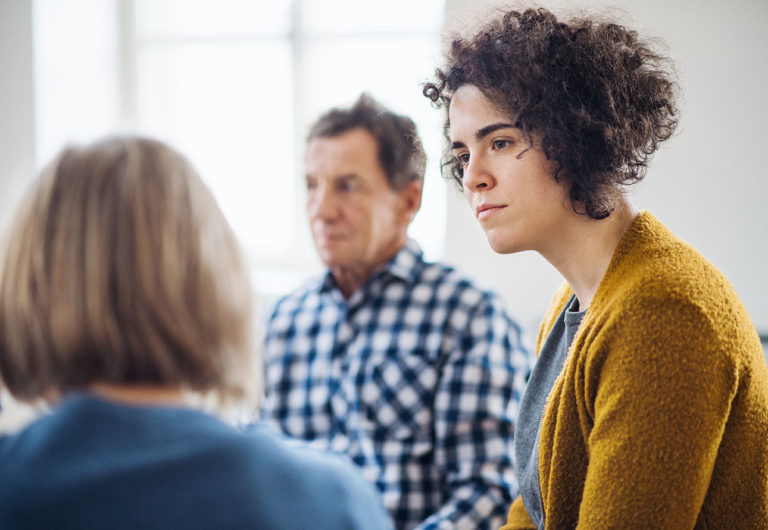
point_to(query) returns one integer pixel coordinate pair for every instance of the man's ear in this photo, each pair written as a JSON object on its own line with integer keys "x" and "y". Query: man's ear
{"x": 410, "y": 199}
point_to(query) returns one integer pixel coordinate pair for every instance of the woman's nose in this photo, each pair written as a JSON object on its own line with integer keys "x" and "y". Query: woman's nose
{"x": 477, "y": 176}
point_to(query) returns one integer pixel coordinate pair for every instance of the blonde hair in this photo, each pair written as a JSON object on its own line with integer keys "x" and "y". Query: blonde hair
{"x": 120, "y": 268}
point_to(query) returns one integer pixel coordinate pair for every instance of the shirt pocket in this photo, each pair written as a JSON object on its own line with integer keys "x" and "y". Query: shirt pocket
{"x": 397, "y": 391}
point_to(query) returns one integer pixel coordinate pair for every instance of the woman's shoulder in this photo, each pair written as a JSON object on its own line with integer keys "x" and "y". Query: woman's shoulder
{"x": 294, "y": 458}
{"x": 331, "y": 487}
{"x": 651, "y": 264}
{"x": 662, "y": 286}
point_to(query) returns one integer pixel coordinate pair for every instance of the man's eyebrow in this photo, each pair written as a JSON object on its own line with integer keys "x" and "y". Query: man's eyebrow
{"x": 346, "y": 177}
{"x": 343, "y": 176}
{"x": 485, "y": 131}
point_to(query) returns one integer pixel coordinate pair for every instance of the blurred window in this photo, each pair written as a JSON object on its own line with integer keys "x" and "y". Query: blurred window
{"x": 234, "y": 84}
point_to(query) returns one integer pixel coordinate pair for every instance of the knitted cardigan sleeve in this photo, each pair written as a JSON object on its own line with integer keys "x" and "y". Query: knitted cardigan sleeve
{"x": 658, "y": 394}
{"x": 659, "y": 418}
{"x": 650, "y": 400}
{"x": 518, "y": 519}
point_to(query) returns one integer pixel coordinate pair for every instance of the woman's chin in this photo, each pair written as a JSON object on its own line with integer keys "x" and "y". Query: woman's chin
{"x": 502, "y": 245}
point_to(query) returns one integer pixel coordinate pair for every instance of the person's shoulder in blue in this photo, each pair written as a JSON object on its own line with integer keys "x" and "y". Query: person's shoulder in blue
{"x": 339, "y": 496}
{"x": 122, "y": 294}
{"x": 93, "y": 463}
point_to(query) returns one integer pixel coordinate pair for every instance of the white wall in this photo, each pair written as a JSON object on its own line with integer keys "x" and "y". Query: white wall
{"x": 17, "y": 135}
{"x": 17, "y": 123}
{"x": 709, "y": 183}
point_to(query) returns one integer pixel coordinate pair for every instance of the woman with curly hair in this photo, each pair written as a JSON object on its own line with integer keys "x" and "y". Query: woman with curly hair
{"x": 648, "y": 405}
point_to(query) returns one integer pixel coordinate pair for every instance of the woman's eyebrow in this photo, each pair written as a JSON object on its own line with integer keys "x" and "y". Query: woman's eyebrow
{"x": 488, "y": 129}
{"x": 484, "y": 131}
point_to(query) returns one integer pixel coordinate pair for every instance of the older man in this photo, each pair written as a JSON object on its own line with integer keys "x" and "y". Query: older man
{"x": 405, "y": 366}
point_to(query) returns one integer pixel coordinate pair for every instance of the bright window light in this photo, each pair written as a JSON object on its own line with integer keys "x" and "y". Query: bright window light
{"x": 234, "y": 84}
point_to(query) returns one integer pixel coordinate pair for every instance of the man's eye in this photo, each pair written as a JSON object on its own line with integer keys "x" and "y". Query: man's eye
{"x": 500, "y": 144}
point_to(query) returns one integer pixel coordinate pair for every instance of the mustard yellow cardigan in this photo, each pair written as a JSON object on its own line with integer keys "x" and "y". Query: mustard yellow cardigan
{"x": 660, "y": 416}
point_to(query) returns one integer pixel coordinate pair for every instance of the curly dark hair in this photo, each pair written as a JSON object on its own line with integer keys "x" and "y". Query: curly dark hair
{"x": 401, "y": 153}
{"x": 599, "y": 98}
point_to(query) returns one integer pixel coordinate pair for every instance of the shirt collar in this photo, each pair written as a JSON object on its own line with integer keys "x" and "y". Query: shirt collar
{"x": 404, "y": 266}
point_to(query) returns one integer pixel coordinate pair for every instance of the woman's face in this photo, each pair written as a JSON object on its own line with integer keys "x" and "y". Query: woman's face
{"x": 508, "y": 183}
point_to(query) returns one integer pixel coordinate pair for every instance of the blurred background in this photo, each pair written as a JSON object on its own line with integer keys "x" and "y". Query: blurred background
{"x": 235, "y": 83}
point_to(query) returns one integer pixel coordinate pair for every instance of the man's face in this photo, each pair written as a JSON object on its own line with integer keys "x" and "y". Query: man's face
{"x": 358, "y": 222}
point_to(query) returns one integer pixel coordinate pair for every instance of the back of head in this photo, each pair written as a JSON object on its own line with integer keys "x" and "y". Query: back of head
{"x": 120, "y": 268}
{"x": 401, "y": 153}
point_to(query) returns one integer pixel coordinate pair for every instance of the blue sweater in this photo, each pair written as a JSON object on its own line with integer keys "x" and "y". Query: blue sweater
{"x": 94, "y": 464}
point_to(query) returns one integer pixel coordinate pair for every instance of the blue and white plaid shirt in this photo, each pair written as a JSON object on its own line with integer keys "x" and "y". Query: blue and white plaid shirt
{"x": 416, "y": 377}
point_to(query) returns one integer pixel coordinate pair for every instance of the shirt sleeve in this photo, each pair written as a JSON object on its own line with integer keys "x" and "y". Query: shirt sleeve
{"x": 476, "y": 403}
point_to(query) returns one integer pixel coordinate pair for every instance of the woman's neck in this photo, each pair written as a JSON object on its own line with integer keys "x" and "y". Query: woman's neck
{"x": 584, "y": 252}
{"x": 140, "y": 394}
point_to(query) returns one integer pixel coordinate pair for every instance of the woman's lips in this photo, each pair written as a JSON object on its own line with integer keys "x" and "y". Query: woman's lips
{"x": 484, "y": 211}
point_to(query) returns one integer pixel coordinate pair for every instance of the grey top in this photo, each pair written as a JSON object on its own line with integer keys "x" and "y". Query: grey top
{"x": 549, "y": 364}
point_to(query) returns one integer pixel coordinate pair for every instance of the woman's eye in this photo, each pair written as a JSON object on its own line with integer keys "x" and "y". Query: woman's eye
{"x": 500, "y": 144}
{"x": 463, "y": 158}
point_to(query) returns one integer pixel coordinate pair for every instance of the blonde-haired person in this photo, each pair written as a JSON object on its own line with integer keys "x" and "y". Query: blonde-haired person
{"x": 123, "y": 291}
{"x": 648, "y": 404}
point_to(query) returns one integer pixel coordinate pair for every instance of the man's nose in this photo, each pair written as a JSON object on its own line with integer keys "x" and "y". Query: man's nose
{"x": 322, "y": 203}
